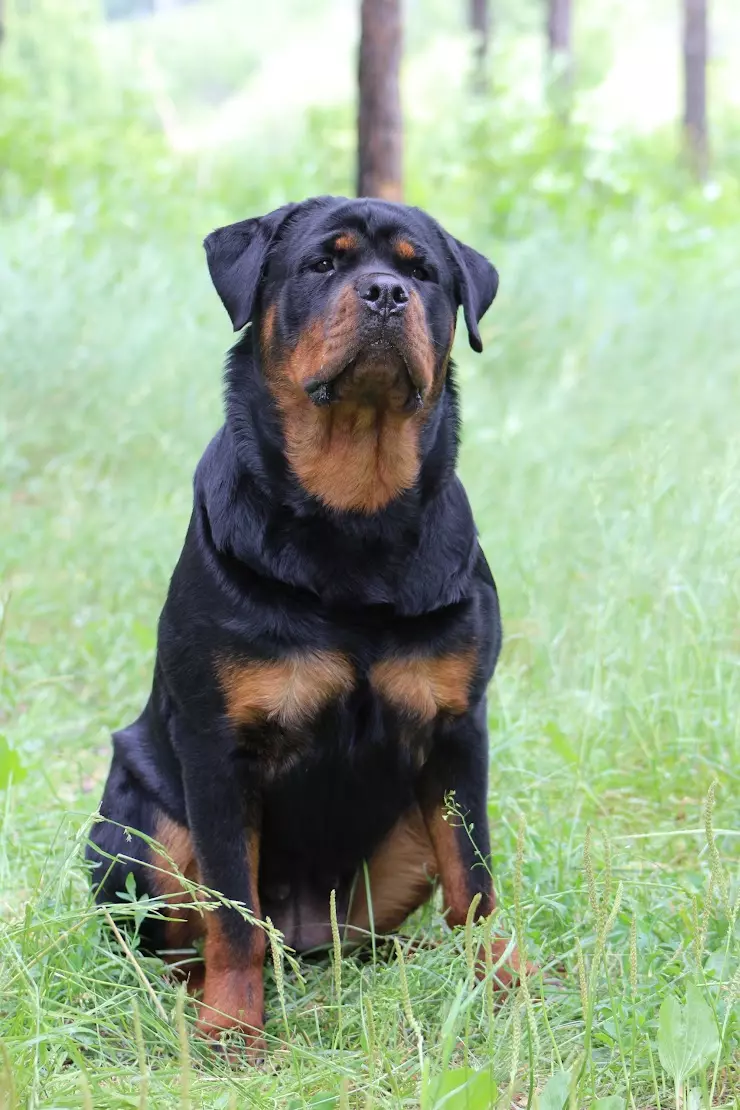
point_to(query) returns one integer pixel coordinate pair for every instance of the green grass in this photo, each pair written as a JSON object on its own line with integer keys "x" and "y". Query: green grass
{"x": 601, "y": 453}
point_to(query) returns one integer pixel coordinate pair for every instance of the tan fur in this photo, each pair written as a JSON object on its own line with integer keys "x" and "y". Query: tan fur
{"x": 455, "y": 876}
{"x": 401, "y": 876}
{"x": 457, "y": 890}
{"x": 232, "y": 987}
{"x": 349, "y": 456}
{"x": 346, "y": 242}
{"x": 233, "y": 995}
{"x": 403, "y": 869}
{"x": 185, "y": 925}
{"x": 268, "y": 327}
{"x": 178, "y": 844}
{"x": 426, "y": 685}
{"x": 404, "y": 249}
{"x": 419, "y": 342}
{"x": 286, "y": 691}
{"x": 322, "y": 344}
{"x": 303, "y": 362}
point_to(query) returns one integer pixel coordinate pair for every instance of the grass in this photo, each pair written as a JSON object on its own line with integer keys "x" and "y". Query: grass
{"x": 601, "y": 453}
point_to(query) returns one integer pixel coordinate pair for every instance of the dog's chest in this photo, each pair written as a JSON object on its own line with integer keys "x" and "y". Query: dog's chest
{"x": 374, "y": 689}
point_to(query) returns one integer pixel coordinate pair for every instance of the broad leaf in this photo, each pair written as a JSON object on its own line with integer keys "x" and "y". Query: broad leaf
{"x": 461, "y": 1089}
{"x": 687, "y": 1035}
{"x": 560, "y": 743}
{"x": 556, "y": 1091}
{"x": 11, "y": 767}
{"x": 611, "y": 1102}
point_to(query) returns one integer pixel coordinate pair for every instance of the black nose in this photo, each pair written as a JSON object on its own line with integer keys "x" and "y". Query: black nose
{"x": 383, "y": 293}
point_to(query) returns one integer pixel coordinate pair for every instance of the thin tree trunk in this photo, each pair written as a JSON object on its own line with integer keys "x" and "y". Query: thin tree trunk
{"x": 380, "y": 123}
{"x": 559, "y": 48}
{"x": 695, "y": 85}
{"x": 480, "y": 25}
{"x": 558, "y": 26}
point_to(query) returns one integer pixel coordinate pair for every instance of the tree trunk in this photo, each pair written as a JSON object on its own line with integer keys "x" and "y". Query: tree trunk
{"x": 379, "y": 123}
{"x": 558, "y": 26}
{"x": 480, "y": 25}
{"x": 695, "y": 85}
{"x": 559, "y": 49}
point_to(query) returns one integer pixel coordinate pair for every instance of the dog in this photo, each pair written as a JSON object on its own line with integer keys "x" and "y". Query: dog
{"x": 331, "y": 625}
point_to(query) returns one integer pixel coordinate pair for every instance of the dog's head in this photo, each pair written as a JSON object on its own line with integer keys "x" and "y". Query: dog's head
{"x": 354, "y": 303}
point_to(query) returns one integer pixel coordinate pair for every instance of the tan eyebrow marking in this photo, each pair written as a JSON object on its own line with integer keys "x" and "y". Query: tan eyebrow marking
{"x": 346, "y": 242}
{"x": 404, "y": 249}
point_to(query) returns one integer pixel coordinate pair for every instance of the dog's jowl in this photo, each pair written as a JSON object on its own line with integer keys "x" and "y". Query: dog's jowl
{"x": 331, "y": 624}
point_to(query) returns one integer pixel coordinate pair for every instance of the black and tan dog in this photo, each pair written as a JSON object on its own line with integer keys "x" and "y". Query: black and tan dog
{"x": 332, "y": 624}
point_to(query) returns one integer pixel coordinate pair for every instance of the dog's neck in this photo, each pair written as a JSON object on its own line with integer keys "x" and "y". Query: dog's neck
{"x": 415, "y": 553}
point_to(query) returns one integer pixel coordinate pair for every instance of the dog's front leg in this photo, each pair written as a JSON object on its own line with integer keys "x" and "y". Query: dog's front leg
{"x": 457, "y": 771}
{"x": 224, "y": 820}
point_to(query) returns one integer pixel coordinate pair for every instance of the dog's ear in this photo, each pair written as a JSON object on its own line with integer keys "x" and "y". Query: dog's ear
{"x": 477, "y": 283}
{"x": 236, "y": 258}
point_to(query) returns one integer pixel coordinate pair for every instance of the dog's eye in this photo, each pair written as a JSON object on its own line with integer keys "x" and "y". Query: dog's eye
{"x": 420, "y": 273}
{"x": 323, "y": 266}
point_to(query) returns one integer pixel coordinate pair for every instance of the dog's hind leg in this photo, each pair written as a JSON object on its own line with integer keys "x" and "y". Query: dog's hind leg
{"x": 117, "y": 849}
{"x": 400, "y": 878}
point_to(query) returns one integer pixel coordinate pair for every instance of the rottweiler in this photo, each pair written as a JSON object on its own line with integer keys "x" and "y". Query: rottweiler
{"x": 331, "y": 626}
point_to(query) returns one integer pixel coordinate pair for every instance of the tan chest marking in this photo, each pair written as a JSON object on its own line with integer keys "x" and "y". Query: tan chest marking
{"x": 352, "y": 457}
{"x": 288, "y": 691}
{"x": 424, "y": 686}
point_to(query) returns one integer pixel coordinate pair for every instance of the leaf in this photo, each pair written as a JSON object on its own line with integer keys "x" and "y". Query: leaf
{"x": 461, "y": 1089}
{"x": 718, "y": 963}
{"x": 687, "y": 1035}
{"x": 11, "y": 768}
{"x": 611, "y": 1102}
{"x": 555, "y": 1092}
{"x": 560, "y": 742}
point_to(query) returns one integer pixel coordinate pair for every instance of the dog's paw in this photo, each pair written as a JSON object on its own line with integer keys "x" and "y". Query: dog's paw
{"x": 506, "y": 963}
{"x": 192, "y": 974}
{"x": 237, "y": 1038}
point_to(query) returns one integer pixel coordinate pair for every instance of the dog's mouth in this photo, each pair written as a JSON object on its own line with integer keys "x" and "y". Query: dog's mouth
{"x": 378, "y": 376}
